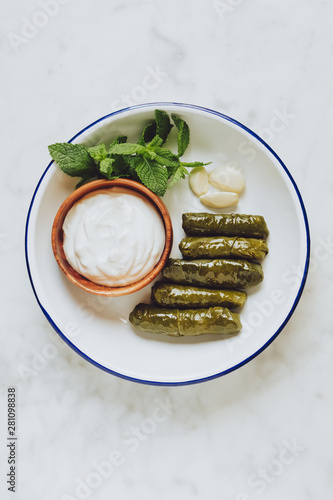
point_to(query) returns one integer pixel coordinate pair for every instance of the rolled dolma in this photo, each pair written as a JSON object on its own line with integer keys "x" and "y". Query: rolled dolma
{"x": 206, "y": 224}
{"x": 216, "y": 247}
{"x": 185, "y": 296}
{"x": 181, "y": 322}
{"x": 215, "y": 273}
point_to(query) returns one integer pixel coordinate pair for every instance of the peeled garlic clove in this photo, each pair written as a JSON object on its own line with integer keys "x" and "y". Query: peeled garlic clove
{"x": 198, "y": 180}
{"x": 227, "y": 178}
{"x": 219, "y": 199}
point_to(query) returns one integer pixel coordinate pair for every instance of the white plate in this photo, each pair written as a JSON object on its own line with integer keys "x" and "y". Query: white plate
{"x": 98, "y": 328}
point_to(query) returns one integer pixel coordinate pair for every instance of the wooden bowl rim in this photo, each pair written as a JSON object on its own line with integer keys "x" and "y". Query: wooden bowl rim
{"x": 57, "y": 237}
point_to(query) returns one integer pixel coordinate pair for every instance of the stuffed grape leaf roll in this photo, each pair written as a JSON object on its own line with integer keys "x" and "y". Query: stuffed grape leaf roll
{"x": 207, "y": 224}
{"x": 186, "y": 296}
{"x": 216, "y": 247}
{"x": 215, "y": 273}
{"x": 185, "y": 322}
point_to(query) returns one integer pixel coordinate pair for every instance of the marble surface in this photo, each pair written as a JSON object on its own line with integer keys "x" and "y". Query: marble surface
{"x": 263, "y": 431}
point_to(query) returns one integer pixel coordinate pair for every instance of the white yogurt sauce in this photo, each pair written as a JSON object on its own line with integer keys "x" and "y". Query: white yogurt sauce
{"x": 113, "y": 237}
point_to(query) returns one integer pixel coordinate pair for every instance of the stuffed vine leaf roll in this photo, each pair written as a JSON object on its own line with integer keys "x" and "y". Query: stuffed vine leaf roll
{"x": 215, "y": 247}
{"x": 215, "y": 273}
{"x": 185, "y": 296}
{"x": 207, "y": 224}
{"x": 185, "y": 322}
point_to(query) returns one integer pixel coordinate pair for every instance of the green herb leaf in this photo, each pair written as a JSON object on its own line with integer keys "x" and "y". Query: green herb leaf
{"x": 163, "y": 125}
{"x": 73, "y": 159}
{"x": 152, "y": 175}
{"x": 165, "y": 157}
{"x": 148, "y": 133}
{"x": 127, "y": 149}
{"x": 194, "y": 164}
{"x": 177, "y": 174}
{"x": 157, "y": 141}
{"x": 98, "y": 153}
{"x": 128, "y": 165}
{"x": 118, "y": 140}
{"x": 106, "y": 167}
{"x": 183, "y": 138}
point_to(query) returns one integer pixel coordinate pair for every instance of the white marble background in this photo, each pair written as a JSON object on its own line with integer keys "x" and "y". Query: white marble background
{"x": 264, "y": 431}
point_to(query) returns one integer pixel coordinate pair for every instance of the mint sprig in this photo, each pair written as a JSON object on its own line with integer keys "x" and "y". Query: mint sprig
{"x": 163, "y": 125}
{"x": 183, "y": 138}
{"x": 98, "y": 153}
{"x": 148, "y": 133}
{"x": 106, "y": 167}
{"x": 146, "y": 161}
{"x": 152, "y": 175}
{"x": 73, "y": 159}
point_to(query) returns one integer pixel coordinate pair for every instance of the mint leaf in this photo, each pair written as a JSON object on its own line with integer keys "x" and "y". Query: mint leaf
{"x": 120, "y": 168}
{"x": 165, "y": 157}
{"x": 194, "y": 164}
{"x": 118, "y": 140}
{"x": 126, "y": 149}
{"x": 157, "y": 141}
{"x": 98, "y": 153}
{"x": 128, "y": 165}
{"x": 183, "y": 137}
{"x": 163, "y": 125}
{"x": 177, "y": 174}
{"x": 106, "y": 167}
{"x": 73, "y": 159}
{"x": 148, "y": 133}
{"x": 152, "y": 175}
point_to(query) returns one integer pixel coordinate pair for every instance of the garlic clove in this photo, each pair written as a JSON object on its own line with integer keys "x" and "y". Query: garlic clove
{"x": 228, "y": 178}
{"x": 198, "y": 180}
{"x": 221, "y": 199}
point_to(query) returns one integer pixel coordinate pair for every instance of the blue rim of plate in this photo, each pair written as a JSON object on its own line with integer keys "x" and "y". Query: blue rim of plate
{"x": 300, "y": 290}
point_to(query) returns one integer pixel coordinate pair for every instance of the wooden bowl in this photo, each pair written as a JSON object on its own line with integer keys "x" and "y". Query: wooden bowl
{"x": 58, "y": 237}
